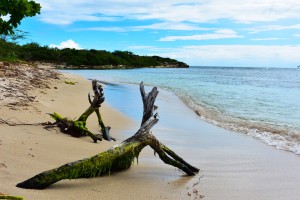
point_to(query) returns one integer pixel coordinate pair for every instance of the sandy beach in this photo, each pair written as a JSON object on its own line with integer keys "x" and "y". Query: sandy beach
{"x": 28, "y": 150}
{"x": 233, "y": 165}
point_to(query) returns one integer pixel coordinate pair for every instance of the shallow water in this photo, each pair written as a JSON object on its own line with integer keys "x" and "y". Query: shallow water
{"x": 261, "y": 102}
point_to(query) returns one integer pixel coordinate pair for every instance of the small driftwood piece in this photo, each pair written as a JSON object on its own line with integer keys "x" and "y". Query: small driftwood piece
{"x": 9, "y": 197}
{"x": 77, "y": 128}
{"x": 119, "y": 157}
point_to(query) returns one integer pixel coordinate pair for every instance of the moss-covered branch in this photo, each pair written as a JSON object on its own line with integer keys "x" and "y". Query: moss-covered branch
{"x": 117, "y": 158}
{"x": 77, "y": 128}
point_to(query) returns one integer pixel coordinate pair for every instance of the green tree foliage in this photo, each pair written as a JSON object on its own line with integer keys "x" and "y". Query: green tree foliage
{"x": 16, "y": 10}
{"x": 7, "y": 51}
{"x": 82, "y": 58}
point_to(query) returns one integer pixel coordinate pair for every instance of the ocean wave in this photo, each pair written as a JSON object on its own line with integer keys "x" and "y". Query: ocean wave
{"x": 280, "y": 136}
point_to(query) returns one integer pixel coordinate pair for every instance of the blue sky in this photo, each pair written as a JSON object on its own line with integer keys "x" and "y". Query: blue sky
{"x": 258, "y": 33}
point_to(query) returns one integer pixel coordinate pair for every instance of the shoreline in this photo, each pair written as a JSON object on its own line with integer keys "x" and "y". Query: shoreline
{"x": 273, "y": 133}
{"x": 233, "y": 166}
{"x": 270, "y": 134}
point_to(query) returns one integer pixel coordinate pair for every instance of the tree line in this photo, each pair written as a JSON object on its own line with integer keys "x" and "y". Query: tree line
{"x": 11, "y": 51}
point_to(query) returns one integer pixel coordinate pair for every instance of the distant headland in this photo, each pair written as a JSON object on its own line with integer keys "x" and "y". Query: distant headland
{"x": 82, "y": 58}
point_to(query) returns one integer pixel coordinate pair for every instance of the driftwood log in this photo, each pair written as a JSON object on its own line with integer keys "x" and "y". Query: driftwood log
{"x": 77, "y": 128}
{"x": 119, "y": 157}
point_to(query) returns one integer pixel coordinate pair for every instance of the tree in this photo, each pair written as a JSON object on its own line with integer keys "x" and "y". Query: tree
{"x": 15, "y": 10}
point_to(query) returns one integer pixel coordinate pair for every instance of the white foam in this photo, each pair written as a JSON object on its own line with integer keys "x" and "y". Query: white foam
{"x": 282, "y": 142}
{"x": 277, "y": 135}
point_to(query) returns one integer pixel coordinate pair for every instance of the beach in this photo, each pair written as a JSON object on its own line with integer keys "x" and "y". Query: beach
{"x": 28, "y": 150}
{"x": 232, "y": 165}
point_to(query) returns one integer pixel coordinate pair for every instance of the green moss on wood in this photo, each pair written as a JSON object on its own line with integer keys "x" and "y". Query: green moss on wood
{"x": 80, "y": 127}
{"x": 11, "y": 197}
{"x": 69, "y": 82}
{"x": 116, "y": 158}
{"x": 77, "y": 128}
{"x": 57, "y": 117}
{"x": 100, "y": 121}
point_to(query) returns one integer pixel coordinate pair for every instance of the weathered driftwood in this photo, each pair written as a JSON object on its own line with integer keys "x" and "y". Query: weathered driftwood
{"x": 119, "y": 157}
{"x": 10, "y": 197}
{"x": 77, "y": 128}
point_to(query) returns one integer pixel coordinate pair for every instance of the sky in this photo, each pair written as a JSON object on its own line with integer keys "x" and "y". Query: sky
{"x": 245, "y": 33}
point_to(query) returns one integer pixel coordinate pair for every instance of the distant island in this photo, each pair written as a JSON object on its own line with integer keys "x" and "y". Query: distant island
{"x": 82, "y": 58}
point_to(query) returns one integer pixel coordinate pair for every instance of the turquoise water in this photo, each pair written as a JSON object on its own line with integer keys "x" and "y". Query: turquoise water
{"x": 261, "y": 102}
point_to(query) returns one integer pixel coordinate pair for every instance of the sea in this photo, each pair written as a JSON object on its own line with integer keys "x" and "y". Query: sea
{"x": 261, "y": 102}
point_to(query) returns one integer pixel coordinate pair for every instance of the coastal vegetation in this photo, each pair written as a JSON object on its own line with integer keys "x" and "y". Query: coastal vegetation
{"x": 82, "y": 58}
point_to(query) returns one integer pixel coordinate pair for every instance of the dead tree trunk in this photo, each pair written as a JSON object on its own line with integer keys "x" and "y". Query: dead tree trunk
{"x": 119, "y": 157}
{"x": 77, "y": 128}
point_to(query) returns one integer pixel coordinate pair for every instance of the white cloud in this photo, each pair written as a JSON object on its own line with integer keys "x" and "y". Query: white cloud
{"x": 245, "y": 11}
{"x": 171, "y": 26}
{"x": 267, "y": 39}
{"x": 219, "y": 34}
{"x": 155, "y": 26}
{"x": 275, "y": 28}
{"x": 297, "y": 35}
{"x": 235, "y": 55}
{"x": 113, "y": 29}
{"x": 66, "y": 44}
